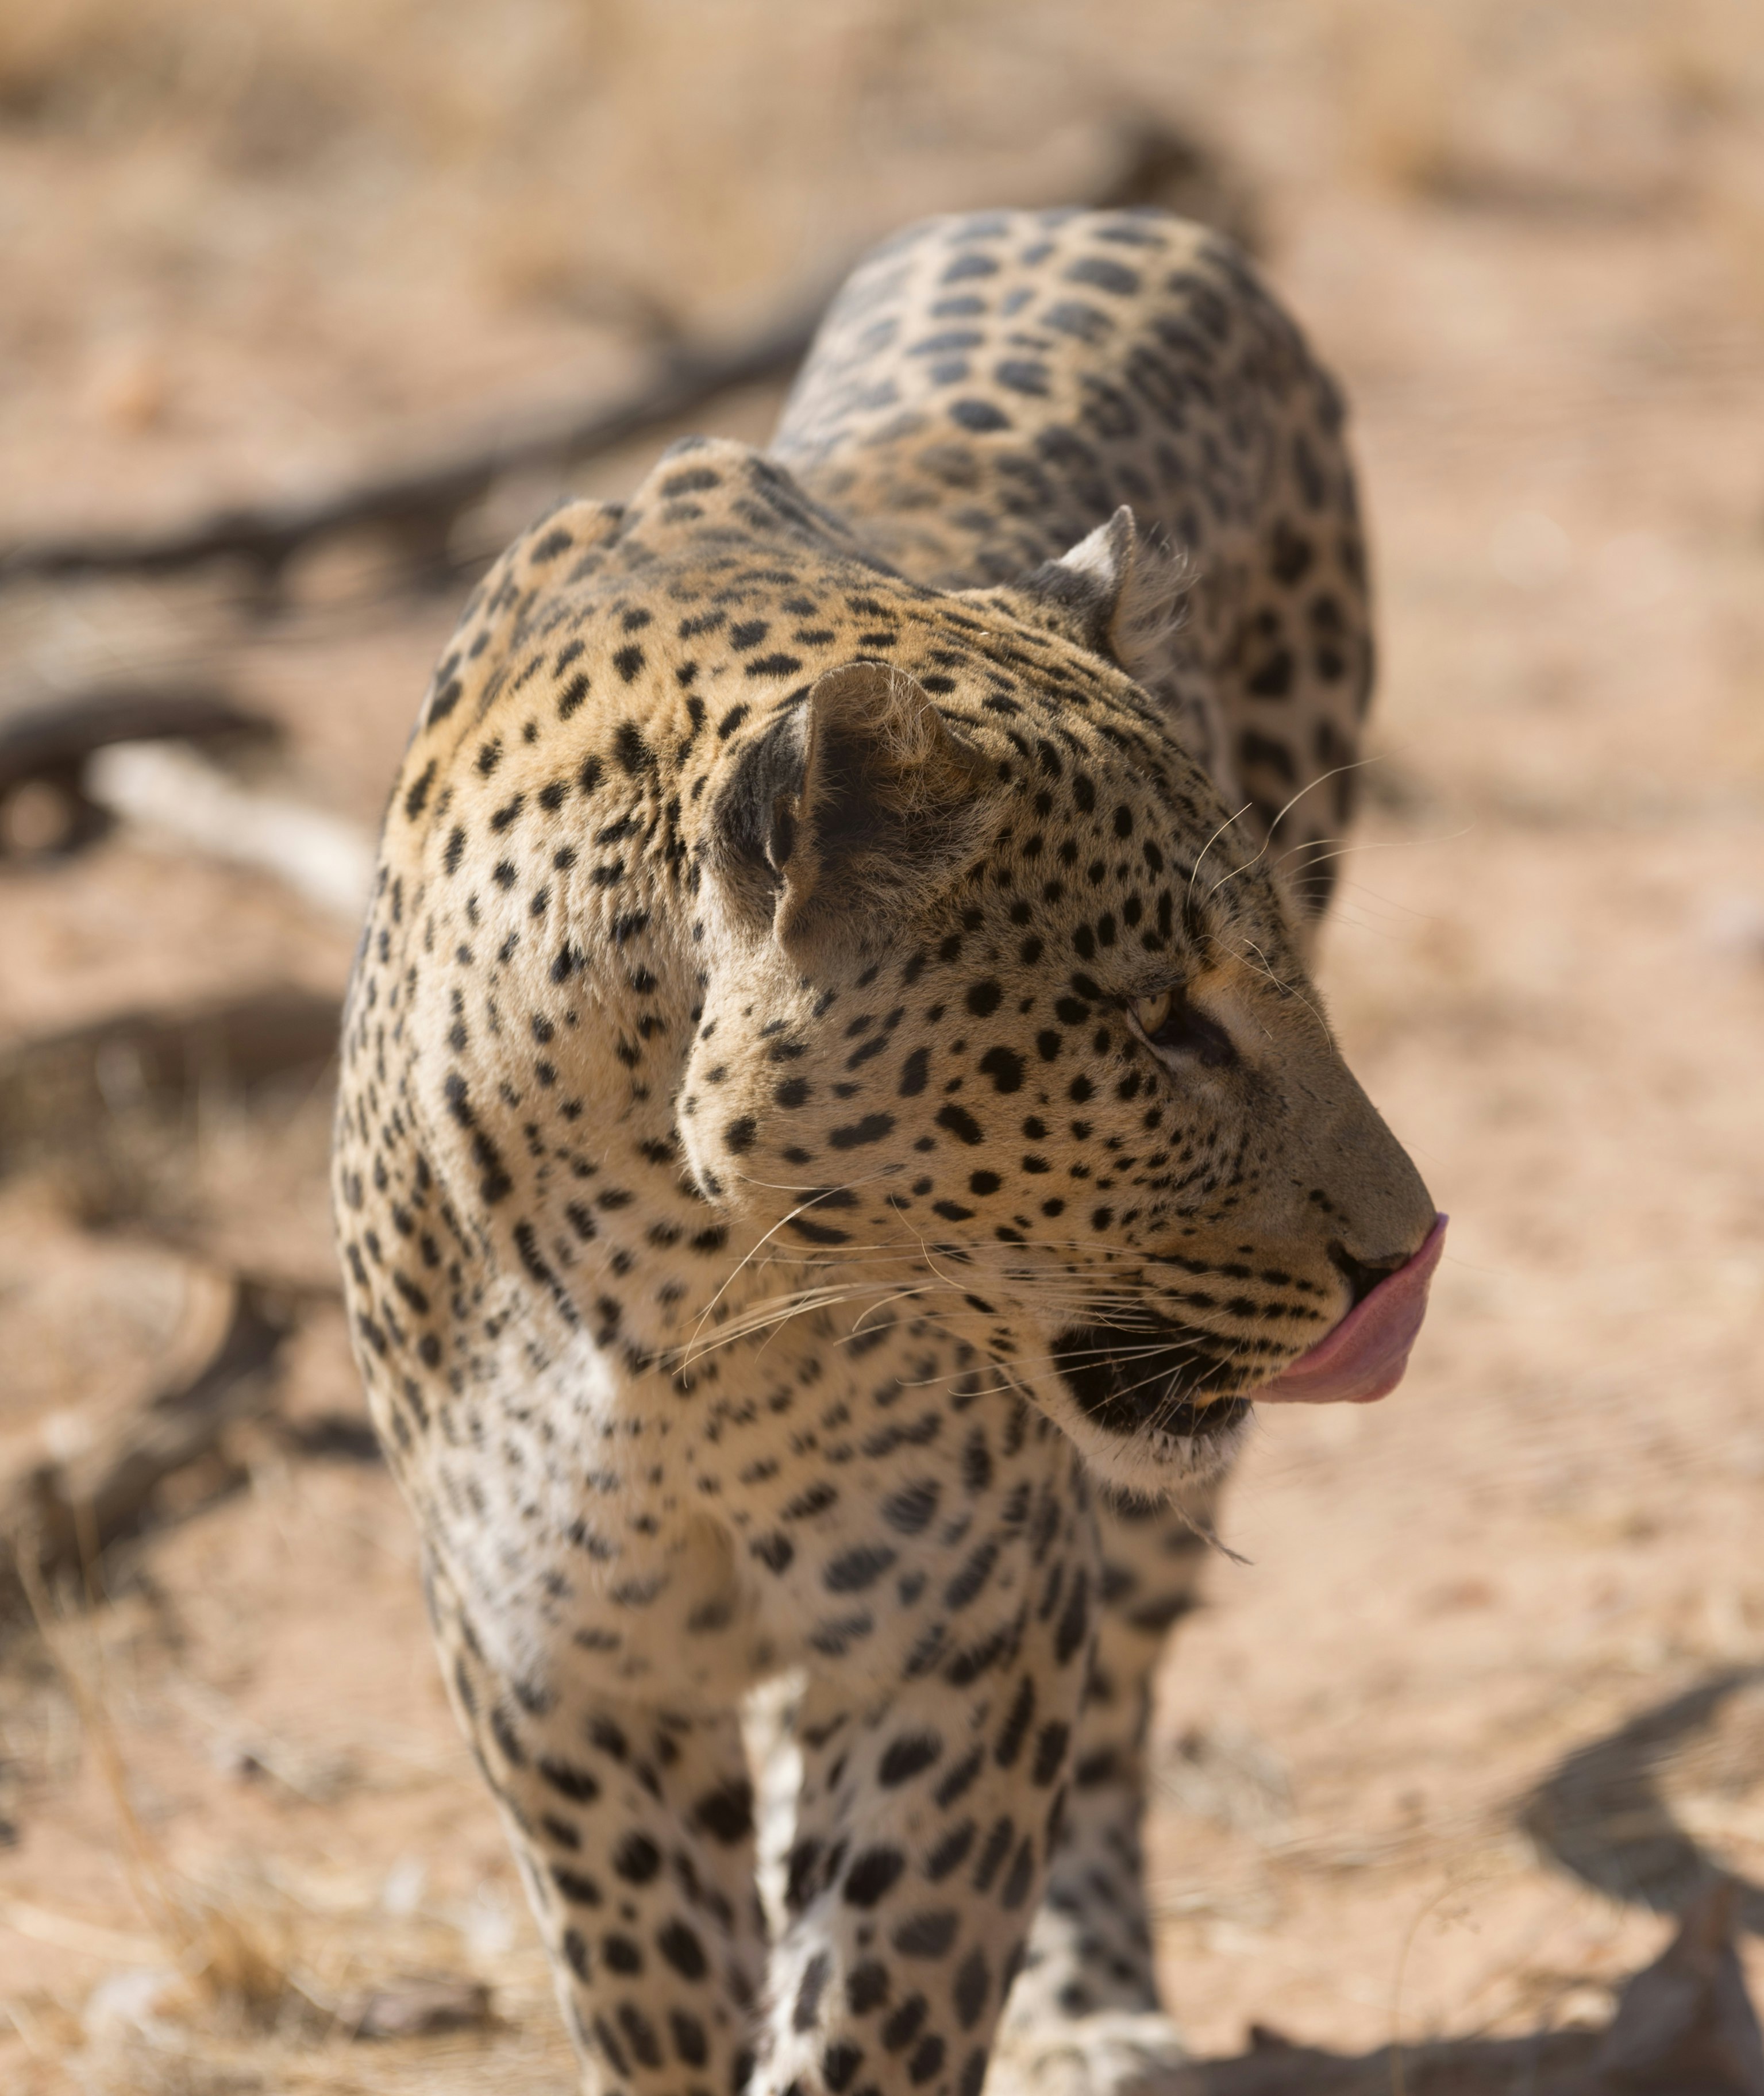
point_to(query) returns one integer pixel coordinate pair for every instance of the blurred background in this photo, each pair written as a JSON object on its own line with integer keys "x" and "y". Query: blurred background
{"x": 304, "y": 310}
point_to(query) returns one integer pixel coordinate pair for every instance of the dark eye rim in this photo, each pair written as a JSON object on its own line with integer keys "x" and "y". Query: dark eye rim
{"x": 1187, "y": 1031}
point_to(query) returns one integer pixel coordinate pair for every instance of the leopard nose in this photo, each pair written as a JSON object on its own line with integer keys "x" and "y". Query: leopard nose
{"x": 1364, "y": 1275}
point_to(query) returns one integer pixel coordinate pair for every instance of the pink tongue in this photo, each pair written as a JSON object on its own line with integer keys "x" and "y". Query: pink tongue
{"x": 1364, "y": 1356}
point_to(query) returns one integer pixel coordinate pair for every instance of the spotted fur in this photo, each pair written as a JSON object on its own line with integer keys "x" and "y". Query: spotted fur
{"x": 835, "y": 1128}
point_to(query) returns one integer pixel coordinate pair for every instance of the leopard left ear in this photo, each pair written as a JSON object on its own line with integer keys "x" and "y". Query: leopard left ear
{"x": 849, "y": 811}
{"x": 1118, "y": 591}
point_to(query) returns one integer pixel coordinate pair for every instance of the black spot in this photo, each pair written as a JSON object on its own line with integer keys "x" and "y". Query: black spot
{"x": 925, "y": 1935}
{"x": 568, "y": 1781}
{"x": 776, "y": 1552}
{"x": 1023, "y": 374}
{"x": 641, "y": 2034}
{"x": 871, "y": 1129}
{"x": 628, "y": 662}
{"x": 866, "y": 1988}
{"x": 960, "y": 1124}
{"x": 906, "y": 2023}
{"x": 960, "y": 1779}
{"x": 1006, "y": 1068}
{"x": 419, "y": 793}
{"x": 739, "y": 1136}
{"x": 1050, "y": 1753}
{"x": 910, "y": 1509}
{"x": 1261, "y": 753}
{"x": 815, "y": 1975}
{"x": 853, "y": 1570}
{"x": 972, "y": 1983}
{"x": 839, "y": 2064}
{"x": 984, "y": 998}
{"x": 904, "y": 1758}
{"x": 1084, "y": 323}
{"x": 1015, "y": 1728}
{"x": 1103, "y": 275}
{"x": 1074, "y": 1622}
{"x": 1021, "y": 1876}
{"x": 927, "y": 2057}
{"x": 913, "y": 1073}
{"x": 689, "y": 2039}
{"x": 683, "y": 1950}
{"x": 871, "y": 1875}
{"x": 633, "y": 754}
{"x": 978, "y": 414}
{"x": 1273, "y": 680}
{"x": 727, "y": 1813}
{"x": 950, "y": 1853}
{"x": 636, "y": 1859}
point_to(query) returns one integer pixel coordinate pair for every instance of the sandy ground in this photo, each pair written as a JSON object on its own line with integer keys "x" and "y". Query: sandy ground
{"x": 1488, "y": 1683}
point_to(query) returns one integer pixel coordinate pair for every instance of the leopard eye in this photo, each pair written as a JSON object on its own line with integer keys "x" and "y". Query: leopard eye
{"x": 1171, "y": 1023}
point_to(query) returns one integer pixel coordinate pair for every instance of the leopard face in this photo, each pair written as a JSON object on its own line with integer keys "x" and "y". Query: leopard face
{"x": 1001, "y": 1021}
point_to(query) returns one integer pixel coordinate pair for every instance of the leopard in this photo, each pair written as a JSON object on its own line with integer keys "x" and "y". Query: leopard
{"x": 837, "y": 1137}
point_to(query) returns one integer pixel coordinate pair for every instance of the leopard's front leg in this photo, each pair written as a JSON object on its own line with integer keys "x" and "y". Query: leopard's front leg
{"x": 929, "y": 1807}
{"x": 1085, "y": 2017}
{"x": 631, "y": 1820}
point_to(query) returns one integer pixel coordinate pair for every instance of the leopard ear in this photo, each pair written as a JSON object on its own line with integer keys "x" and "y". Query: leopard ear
{"x": 1118, "y": 591}
{"x": 1121, "y": 592}
{"x": 846, "y": 813}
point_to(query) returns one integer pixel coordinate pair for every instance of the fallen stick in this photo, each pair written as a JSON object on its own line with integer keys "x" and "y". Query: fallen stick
{"x": 1153, "y": 162}
{"x": 59, "y": 1087}
{"x": 84, "y": 1476}
{"x": 57, "y": 735}
{"x": 421, "y": 504}
{"x": 45, "y": 805}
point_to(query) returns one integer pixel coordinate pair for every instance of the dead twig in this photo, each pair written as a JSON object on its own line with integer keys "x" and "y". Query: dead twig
{"x": 45, "y": 800}
{"x": 1148, "y": 161}
{"x": 419, "y": 505}
{"x": 55, "y": 1088}
{"x": 86, "y": 1476}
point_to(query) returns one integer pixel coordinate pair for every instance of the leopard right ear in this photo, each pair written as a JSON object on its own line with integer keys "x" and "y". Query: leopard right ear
{"x": 1121, "y": 592}
{"x": 1118, "y": 591}
{"x": 848, "y": 810}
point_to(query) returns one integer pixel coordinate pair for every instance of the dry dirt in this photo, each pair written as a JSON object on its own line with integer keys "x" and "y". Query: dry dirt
{"x": 1486, "y": 1689}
